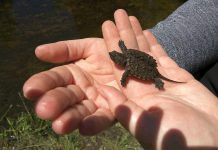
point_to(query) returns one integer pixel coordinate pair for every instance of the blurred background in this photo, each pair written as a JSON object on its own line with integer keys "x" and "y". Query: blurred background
{"x": 28, "y": 23}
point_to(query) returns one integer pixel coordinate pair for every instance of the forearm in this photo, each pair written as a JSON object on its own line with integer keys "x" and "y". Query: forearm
{"x": 190, "y": 34}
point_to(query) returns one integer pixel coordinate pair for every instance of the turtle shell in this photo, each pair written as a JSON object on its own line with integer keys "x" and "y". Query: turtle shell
{"x": 141, "y": 65}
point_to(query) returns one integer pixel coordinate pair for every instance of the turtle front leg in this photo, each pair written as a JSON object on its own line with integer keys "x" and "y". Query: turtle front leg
{"x": 158, "y": 83}
{"x": 124, "y": 78}
{"x": 122, "y": 46}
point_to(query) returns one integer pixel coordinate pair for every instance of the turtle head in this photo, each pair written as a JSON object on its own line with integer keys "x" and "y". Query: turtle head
{"x": 118, "y": 58}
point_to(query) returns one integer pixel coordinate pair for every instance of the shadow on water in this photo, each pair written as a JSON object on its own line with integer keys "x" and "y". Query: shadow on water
{"x": 28, "y": 23}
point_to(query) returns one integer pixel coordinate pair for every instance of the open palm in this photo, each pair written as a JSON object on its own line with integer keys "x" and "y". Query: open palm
{"x": 129, "y": 30}
{"x": 182, "y": 116}
{"x": 67, "y": 94}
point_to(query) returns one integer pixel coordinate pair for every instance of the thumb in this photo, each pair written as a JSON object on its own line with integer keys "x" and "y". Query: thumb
{"x": 63, "y": 51}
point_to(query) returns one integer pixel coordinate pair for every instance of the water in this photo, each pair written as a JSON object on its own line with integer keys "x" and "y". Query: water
{"x": 28, "y": 23}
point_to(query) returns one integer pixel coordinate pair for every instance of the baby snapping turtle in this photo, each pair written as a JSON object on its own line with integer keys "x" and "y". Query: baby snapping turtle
{"x": 137, "y": 64}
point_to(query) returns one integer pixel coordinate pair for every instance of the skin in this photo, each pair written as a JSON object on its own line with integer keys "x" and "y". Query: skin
{"x": 86, "y": 94}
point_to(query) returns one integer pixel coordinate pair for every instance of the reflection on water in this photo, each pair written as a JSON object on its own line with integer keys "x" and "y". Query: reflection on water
{"x": 28, "y": 23}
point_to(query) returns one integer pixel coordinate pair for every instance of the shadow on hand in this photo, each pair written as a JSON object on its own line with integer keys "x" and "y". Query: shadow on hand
{"x": 147, "y": 128}
{"x": 174, "y": 139}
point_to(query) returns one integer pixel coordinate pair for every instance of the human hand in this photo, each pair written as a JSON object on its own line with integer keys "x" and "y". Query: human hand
{"x": 182, "y": 116}
{"x": 67, "y": 94}
{"x": 58, "y": 91}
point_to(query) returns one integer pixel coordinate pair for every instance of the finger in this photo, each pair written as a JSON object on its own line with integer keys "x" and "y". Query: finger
{"x": 63, "y": 51}
{"x": 125, "y": 29}
{"x": 71, "y": 118}
{"x": 111, "y": 36}
{"x": 155, "y": 47}
{"x": 142, "y": 42}
{"x": 56, "y": 101}
{"x": 97, "y": 122}
{"x": 42, "y": 82}
{"x": 157, "y": 50}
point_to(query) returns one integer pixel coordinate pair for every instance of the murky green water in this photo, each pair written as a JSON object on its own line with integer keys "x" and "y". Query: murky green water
{"x": 28, "y": 23}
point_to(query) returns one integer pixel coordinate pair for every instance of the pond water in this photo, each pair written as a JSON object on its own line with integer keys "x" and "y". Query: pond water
{"x": 28, "y": 23}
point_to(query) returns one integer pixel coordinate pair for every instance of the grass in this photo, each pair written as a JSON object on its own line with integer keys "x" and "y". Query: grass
{"x": 27, "y": 132}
